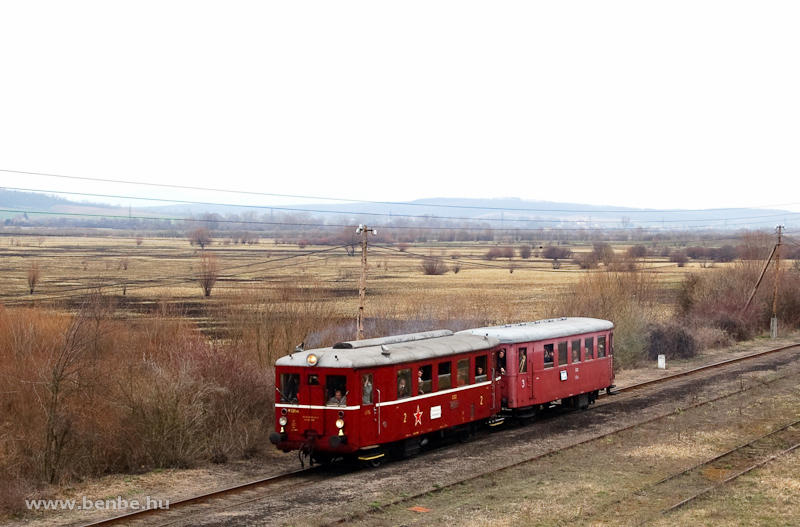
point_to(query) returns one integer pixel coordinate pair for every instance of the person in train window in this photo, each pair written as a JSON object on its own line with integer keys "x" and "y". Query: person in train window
{"x": 402, "y": 389}
{"x": 501, "y": 361}
{"x": 548, "y": 355}
{"x": 338, "y": 399}
{"x": 420, "y": 382}
{"x": 366, "y": 391}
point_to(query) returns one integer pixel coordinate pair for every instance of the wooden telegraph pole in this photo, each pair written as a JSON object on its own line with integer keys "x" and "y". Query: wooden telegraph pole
{"x": 773, "y": 323}
{"x": 362, "y": 284}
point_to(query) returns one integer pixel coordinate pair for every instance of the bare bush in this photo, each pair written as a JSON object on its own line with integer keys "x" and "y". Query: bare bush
{"x": 34, "y": 275}
{"x": 403, "y": 247}
{"x": 208, "y": 272}
{"x": 585, "y": 260}
{"x": 493, "y": 253}
{"x": 431, "y": 265}
{"x": 671, "y": 340}
{"x": 637, "y": 251}
{"x": 603, "y": 252}
{"x": 627, "y": 299}
{"x": 525, "y": 251}
{"x": 456, "y": 267}
{"x": 139, "y": 240}
{"x": 679, "y": 257}
{"x": 553, "y": 252}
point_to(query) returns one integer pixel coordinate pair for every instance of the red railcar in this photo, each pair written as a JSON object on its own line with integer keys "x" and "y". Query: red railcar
{"x": 566, "y": 359}
{"x": 368, "y": 398}
{"x": 365, "y": 398}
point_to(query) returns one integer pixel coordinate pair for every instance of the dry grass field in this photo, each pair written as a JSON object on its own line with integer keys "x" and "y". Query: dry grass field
{"x": 148, "y": 270}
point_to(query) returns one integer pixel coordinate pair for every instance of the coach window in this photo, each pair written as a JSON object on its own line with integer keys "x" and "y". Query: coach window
{"x": 290, "y": 383}
{"x": 589, "y": 343}
{"x": 601, "y": 347}
{"x": 424, "y": 380}
{"x": 462, "y": 372}
{"x": 403, "y": 383}
{"x": 576, "y": 350}
{"x": 481, "y": 374}
{"x": 548, "y": 355}
{"x": 366, "y": 388}
{"x": 562, "y": 353}
{"x": 523, "y": 360}
{"x": 444, "y": 376}
{"x": 333, "y": 384}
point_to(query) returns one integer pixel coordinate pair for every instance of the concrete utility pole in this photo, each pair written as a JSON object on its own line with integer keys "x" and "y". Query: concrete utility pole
{"x": 773, "y": 323}
{"x": 362, "y": 284}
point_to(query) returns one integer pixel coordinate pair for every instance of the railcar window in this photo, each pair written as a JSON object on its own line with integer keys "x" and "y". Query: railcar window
{"x": 562, "y": 353}
{"x": 312, "y": 379}
{"x": 601, "y": 347}
{"x": 481, "y": 373}
{"x": 336, "y": 390}
{"x": 548, "y": 355}
{"x": 589, "y": 343}
{"x": 523, "y": 360}
{"x": 462, "y": 372}
{"x": 576, "y": 350}
{"x": 444, "y": 376}
{"x": 290, "y": 383}
{"x": 366, "y": 388}
{"x": 424, "y": 380}
{"x": 403, "y": 383}
{"x": 611, "y": 344}
{"x": 501, "y": 361}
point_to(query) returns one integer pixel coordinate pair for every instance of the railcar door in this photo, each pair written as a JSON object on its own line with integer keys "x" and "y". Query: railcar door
{"x": 524, "y": 384}
{"x": 311, "y": 400}
{"x": 370, "y": 410}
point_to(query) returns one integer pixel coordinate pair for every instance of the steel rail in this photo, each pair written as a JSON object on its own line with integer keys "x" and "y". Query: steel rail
{"x": 136, "y": 515}
{"x": 704, "y": 368}
{"x": 694, "y": 468}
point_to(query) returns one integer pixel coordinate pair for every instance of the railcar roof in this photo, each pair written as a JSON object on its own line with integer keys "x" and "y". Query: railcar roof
{"x": 542, "y": 329}
{"x": 398, "y": 353}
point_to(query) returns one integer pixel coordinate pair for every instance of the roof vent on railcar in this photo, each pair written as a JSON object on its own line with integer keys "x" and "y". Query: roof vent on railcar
{"x": 385, "y": 350}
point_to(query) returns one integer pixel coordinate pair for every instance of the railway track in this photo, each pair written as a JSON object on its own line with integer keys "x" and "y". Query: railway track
{"x": 254, "y": 491}
{"x": 677, "y": 490}
{"x": 180, "y": 507}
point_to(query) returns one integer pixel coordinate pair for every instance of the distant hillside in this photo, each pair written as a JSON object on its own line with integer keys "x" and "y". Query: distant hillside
{"x": 35, "y": 201}
{"x": 503, "y": 212}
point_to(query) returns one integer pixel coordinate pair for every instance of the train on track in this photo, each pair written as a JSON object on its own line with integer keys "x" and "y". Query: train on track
{"x": 368, "y": 399}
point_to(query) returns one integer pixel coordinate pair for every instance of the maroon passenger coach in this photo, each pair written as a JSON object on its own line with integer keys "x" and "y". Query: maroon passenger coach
{"x": 373, "y": 397}
{"x": 566, "y": 359}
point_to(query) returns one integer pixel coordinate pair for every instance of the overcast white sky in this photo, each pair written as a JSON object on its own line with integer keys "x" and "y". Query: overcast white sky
{"x": 635, "y": 104}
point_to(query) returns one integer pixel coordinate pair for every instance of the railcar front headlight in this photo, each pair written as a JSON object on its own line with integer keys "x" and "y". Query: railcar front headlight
{"x": 282, "y": 421}
{"x": 340, "y": 423}
{"x": 311, "y": 359}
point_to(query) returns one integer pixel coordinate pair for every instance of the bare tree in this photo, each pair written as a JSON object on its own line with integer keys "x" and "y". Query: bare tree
{"x": 209, "y": 272}
{"x": 200, "y": 236}
{"x": 525, "y": 251}
{"x": 34, "y": 274}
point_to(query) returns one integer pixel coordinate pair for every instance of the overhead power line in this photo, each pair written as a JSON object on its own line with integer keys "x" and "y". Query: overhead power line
{"x": 348, "y": 200}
